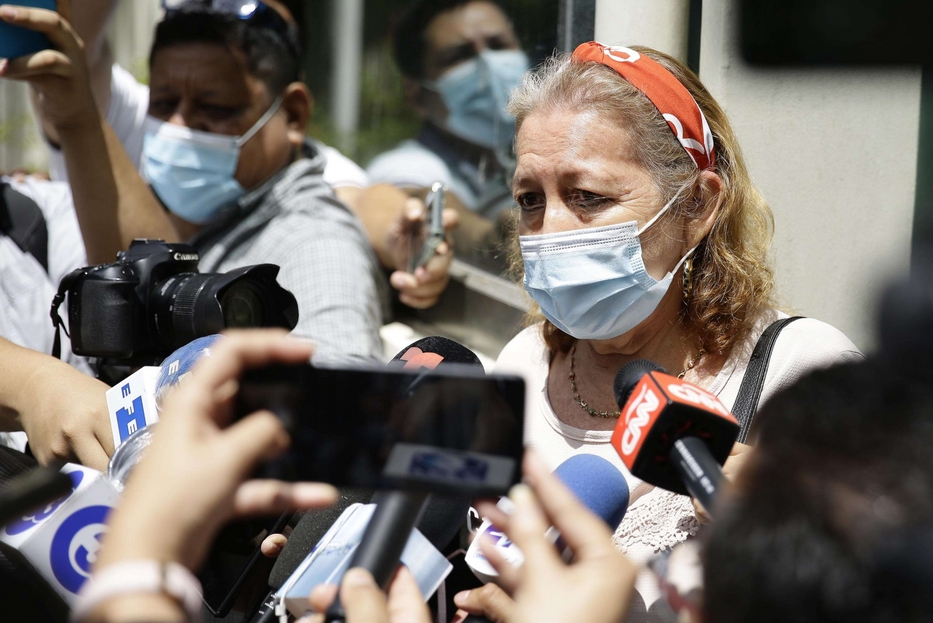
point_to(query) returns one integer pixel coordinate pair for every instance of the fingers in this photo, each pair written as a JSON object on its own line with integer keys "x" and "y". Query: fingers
{"x": 50, "y": 23}
{"x": 273, "y": 545}
{"x": 700, "y": 512}
{"x": 527, "y": 527}
{"x": 405, "y": 602}
{"x": 363, "y": 601}
{"x": 235, "y": 353}
{"x": 90, "y": 453}
{"x": 584, "y": 532}
{"x": 322, "y": 596}
{"x": 415, "y": 212}
{"x": 489, "y": 601}
{"x": 508, "y": 575}
{"x": 267, "y": 497}
{"x": 257, "y": 437}
{"x": 451, "y": 219}
{"x": 41, "y": 64}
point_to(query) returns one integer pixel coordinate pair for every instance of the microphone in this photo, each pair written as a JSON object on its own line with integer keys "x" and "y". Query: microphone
{"x": 397, "y": 513}
{"x": 597, "y": 483}
{"x": 439, "y": 524}
{"x": 60, "y": 540}
{"x": 134, "y": 402}
{"x": 671, "y": 433}
{"x": 332, "y": 557}
{"x": 304, "y": 539}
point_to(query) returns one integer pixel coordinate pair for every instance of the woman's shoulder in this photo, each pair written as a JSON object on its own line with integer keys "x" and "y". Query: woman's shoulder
{"x": 804, "y": 345}
{"x": 524, "y": 352}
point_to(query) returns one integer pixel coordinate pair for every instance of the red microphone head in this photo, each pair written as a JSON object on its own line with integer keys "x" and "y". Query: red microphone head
{"x": 659, "y": 410}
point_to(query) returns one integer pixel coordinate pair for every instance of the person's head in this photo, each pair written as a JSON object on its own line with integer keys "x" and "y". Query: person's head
{"x": 212, "y": 72}
{"x": 594, "y": 151}
{"x": 459, "y": 59}
{"x": 842, "y": 468}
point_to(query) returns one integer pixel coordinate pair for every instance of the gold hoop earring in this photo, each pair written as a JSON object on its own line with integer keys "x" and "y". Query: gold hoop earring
{"x": 688, "y": 278}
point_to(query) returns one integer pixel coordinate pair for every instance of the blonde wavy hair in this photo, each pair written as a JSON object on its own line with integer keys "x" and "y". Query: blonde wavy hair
{"x": 732, "y": 276}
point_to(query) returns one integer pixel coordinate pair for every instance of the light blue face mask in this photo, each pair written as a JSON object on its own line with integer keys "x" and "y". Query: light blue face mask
{"x": 476, "y": 92}
{"x": 592, "y": 283}
{"x": 191, "y": 171}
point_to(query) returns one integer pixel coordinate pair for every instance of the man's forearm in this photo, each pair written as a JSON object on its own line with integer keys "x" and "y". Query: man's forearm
{"x": 18, "y": 366}
{"x": 139, "y": 213}
{"x": 93, "y": 187}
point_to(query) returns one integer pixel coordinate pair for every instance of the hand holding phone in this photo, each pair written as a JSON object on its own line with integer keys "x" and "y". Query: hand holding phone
{"x": 16, "y": 41}
{"x": 435, "y": 228}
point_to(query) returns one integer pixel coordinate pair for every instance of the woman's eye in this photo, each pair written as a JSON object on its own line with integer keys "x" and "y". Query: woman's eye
{"x": 529, "y": 201}
{"x": 589, "y": 201}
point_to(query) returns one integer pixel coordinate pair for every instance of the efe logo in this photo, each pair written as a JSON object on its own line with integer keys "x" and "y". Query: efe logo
{"x": 75, "y": 546}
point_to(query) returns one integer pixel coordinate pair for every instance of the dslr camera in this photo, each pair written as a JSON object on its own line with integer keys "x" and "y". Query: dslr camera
{"x": 152, "y": 300}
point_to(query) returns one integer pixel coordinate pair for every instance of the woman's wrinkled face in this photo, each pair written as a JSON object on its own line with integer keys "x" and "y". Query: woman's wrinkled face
{"x": 576, "y": 170}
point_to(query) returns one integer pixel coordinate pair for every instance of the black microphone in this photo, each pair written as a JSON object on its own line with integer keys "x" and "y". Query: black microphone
{"x": 301, "y": 542}
{"x": 670, "y": 433}
{"x": 398, "y": 512}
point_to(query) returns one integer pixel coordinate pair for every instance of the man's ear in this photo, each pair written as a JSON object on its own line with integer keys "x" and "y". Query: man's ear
{"x": 297, "y": 104}
{"x": 426, "y": 103}
{"x": 701, "y": 216}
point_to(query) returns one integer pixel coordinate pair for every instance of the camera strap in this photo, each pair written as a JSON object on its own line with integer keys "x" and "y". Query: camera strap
{"x": 66, "y": 284}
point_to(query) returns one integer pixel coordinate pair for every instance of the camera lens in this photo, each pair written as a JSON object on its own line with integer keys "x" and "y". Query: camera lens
{"x": 187, "y": 306}
{"x": 242, "y": 306}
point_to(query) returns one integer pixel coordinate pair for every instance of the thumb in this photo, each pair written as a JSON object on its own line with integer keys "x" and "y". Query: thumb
{"x": 489, "y": 601}
{"x": 257, "y": 437}
{"x": 362, "y": 599}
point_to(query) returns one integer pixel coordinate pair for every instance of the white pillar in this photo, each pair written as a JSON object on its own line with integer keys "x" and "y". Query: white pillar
{"x": 659, "y": 24}
{"x": 347, "y": 33}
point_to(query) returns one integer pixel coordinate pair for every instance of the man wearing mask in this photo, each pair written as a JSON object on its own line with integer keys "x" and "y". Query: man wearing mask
{"x": 459, "y": 59}
{"x": 225, "y": 152}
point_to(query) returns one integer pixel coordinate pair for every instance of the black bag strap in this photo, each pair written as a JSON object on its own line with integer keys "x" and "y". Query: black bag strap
{"x": 746, "y": 403}
{"x": 22, "y": 221}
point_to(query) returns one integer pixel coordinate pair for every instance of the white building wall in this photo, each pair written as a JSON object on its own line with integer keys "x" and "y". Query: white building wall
{"x": 834, "y": 151}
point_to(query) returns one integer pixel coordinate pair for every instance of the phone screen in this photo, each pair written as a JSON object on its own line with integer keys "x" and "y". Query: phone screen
{"x": 16, "y": 41}
{"x": 453, "y": 430}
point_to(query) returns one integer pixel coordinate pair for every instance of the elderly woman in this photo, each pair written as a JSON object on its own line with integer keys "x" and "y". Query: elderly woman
{"x": 642, "y": 236}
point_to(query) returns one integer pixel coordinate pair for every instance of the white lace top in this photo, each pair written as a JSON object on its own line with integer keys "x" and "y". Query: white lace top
{"x": 659, "y": 520}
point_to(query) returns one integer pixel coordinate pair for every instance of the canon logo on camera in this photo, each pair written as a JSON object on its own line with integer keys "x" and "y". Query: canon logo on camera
{"x": 187, "y": 257}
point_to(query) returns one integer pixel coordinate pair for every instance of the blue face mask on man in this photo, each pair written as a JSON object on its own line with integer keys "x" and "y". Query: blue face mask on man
{"x": 476, "y": 93}
{"x": 193, "y": 172}
{"x": 592, "y": 283}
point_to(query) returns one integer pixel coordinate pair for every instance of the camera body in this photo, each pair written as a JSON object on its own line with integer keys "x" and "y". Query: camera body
{"x": 153, "y": 300}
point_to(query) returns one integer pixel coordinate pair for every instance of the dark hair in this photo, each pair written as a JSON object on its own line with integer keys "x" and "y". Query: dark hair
{"x": 843, "y": 467}
{"x": 408, "y": 44}
{"x": 272, "y": 57}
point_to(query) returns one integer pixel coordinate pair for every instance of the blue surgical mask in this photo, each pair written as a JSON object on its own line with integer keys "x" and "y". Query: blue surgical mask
{"x": 476, "y": 93}
{"x": 592, "y": 283}
{"x": 191, "y": 171}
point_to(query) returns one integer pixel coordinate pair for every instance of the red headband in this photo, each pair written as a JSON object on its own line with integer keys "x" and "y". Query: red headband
{"x": 670, "y": 97}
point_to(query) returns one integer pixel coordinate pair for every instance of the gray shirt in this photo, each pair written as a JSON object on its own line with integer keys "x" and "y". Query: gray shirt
{"x": 294, "y": 220}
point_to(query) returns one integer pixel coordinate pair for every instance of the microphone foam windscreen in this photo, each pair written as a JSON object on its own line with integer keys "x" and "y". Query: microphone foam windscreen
{"x": 312, "y": 526}
{"x": 598, "y": 484}
{"x": 428, "y": 352}
{"x": 627, "y": 378}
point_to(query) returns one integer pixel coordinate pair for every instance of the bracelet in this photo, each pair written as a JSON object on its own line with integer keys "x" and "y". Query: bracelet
{"x": 140, "y": 576}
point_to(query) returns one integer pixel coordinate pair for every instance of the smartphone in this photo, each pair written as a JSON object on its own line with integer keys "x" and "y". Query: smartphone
{"x": 16, "y": 41}
{"x": 436, "y": 201}
{"x": 449, "y": 430}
